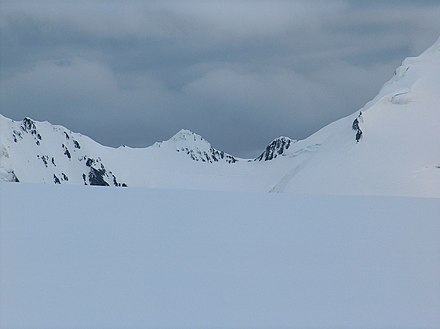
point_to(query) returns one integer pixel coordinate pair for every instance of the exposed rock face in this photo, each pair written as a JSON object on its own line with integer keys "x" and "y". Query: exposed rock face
{"x": 355, "y": 126}
{"x": 98, "y": 175}
{"x": 45, "y": 153}
{"x": 276, "y": 148}
{"x": 8, "y": 176}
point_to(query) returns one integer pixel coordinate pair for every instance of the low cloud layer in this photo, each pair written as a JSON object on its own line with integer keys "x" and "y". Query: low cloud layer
{"x": 239, "y": 73}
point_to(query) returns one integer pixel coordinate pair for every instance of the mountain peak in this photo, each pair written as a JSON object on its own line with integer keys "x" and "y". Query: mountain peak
{"x": 187, "y": 135}
{"x": 277, "y": 147}
{"x": 198, "y": 148}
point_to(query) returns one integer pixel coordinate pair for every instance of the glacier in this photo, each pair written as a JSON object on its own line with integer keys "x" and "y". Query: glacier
{"x": 90, "y": 257}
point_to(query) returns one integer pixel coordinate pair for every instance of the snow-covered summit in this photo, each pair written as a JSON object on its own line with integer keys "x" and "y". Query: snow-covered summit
{"x": 187, "y": 135}
{"x": 196, "y": 147}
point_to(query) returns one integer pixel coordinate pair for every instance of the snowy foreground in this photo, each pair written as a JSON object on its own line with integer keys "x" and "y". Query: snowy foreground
{"x": 84, "y": 257}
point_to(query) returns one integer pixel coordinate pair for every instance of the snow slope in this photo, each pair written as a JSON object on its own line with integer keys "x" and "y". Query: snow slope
{"x": 146, "y": 258}
{"x": 399, "y": 152}
{"x": 389, "y": 147}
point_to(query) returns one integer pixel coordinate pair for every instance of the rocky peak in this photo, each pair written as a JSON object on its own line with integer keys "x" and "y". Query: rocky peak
{"x": 198, "y": 148}
{"x": 276, "y": 148}
{"x": 28, "y": 125}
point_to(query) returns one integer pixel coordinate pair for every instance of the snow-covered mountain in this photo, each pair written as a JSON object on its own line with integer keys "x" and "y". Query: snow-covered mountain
{"x": 276, "y": 148}
{"x": 33, "y": 151}
{"x": 198, "y": 148}
{"x": 389, "y": 147}
{"x": 40, "y": 152}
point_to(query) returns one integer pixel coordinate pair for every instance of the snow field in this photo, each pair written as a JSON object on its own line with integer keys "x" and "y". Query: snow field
{"x": 85, "y": 257}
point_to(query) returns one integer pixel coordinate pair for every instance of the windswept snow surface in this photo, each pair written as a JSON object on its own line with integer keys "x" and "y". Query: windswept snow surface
{"x": 86, "y": 257}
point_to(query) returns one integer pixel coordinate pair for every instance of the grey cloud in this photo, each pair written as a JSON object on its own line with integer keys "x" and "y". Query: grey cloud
{"x": 238, "y": 72}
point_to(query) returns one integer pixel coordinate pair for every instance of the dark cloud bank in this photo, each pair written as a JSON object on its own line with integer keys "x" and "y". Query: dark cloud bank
{"x": 239, "y": 73}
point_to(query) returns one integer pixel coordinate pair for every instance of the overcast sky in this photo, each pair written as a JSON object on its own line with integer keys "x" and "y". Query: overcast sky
{"x": 240, "y": 73}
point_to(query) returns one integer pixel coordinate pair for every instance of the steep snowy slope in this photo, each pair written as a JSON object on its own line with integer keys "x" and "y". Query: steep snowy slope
{"x": 389, "y": 147}
{"x": 398, "y": 152}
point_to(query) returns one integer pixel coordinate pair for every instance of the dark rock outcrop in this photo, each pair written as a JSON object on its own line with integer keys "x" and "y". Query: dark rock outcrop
{"x": 276, "y": 148}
